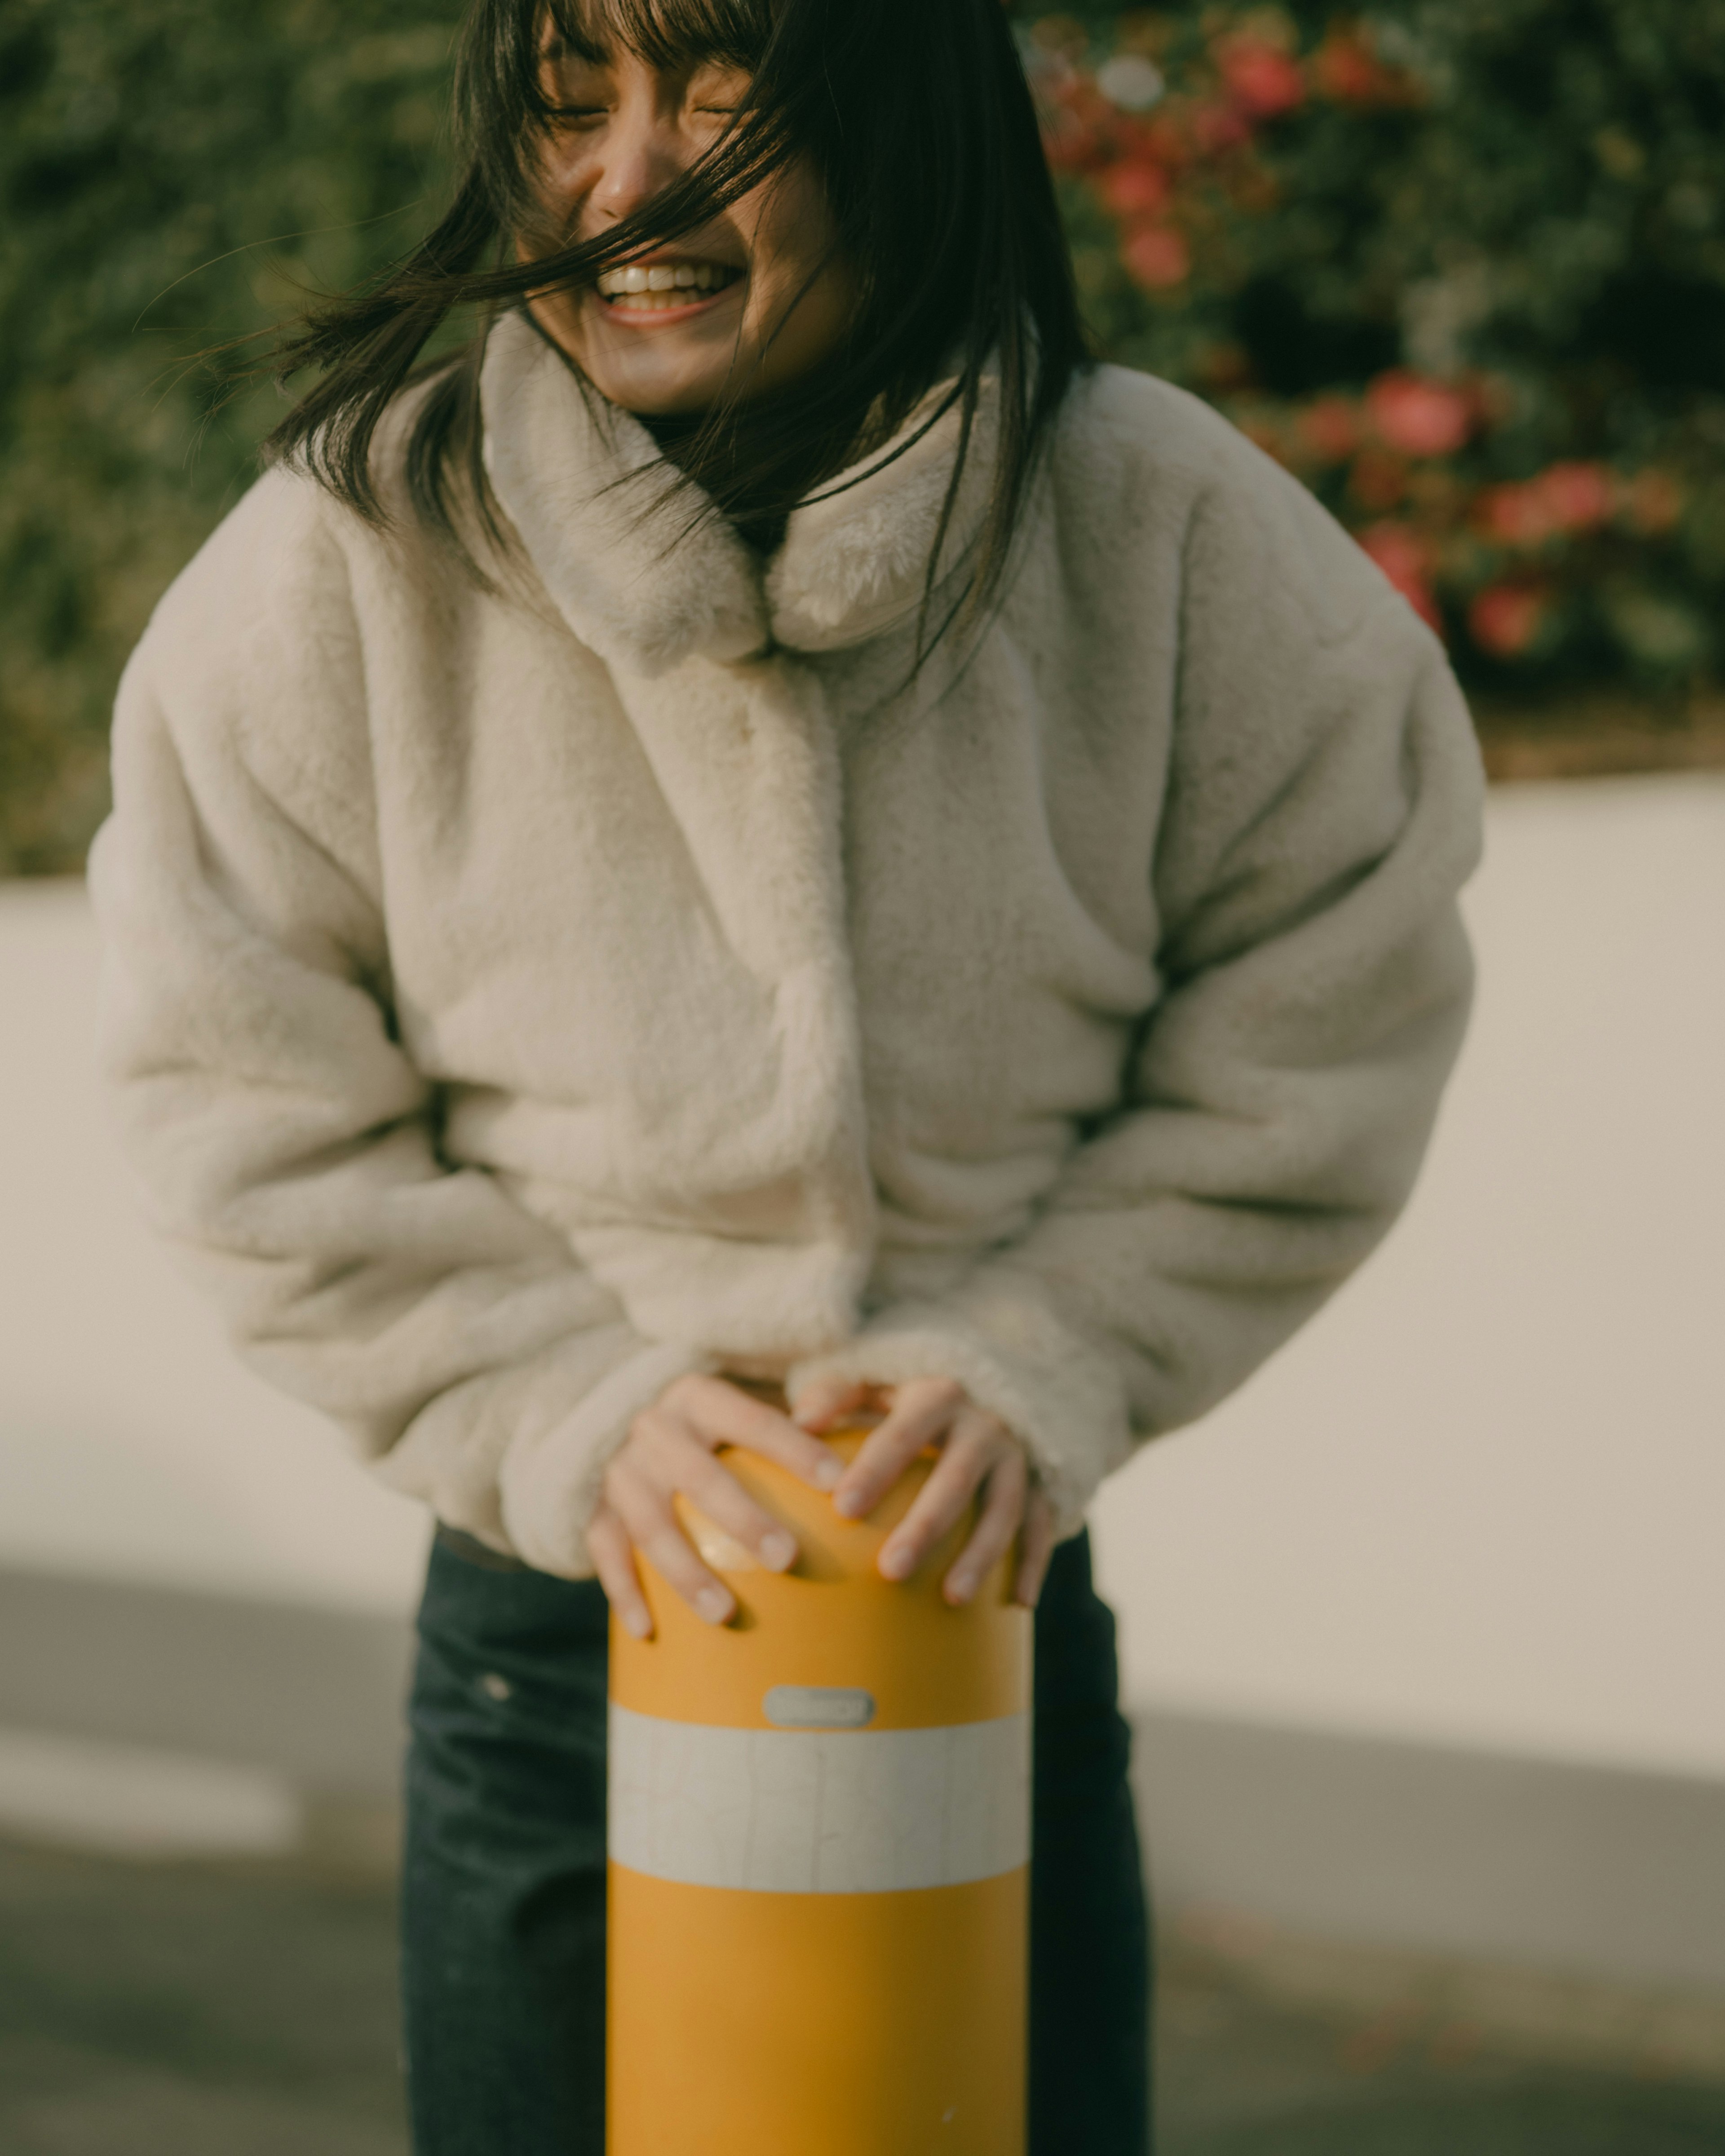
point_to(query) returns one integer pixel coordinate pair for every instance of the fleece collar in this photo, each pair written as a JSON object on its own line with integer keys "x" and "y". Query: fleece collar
{"x": 605, "y": 525}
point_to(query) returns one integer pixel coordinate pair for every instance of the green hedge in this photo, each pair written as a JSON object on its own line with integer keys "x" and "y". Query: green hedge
{"x": 174, "y": 173}
{"x": 1460, "y": 263}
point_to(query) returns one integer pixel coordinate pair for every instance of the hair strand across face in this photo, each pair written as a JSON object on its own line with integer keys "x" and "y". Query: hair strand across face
{"x": 916, "y": 118}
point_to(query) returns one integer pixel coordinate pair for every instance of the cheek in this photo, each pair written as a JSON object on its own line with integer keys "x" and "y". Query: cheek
{"x": 789, "y": 229}
{"x": 556, "y": 189}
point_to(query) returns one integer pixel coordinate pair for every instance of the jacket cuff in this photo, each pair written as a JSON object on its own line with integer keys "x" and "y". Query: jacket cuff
{"x": 515, "y": 1456}
{"x": 549, "y": 1487}
{"x": 1000, "y": 1339}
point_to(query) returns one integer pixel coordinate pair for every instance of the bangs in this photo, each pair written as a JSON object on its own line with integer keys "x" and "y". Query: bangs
{"x": 672, "y": 34}
{"x": 943, "y": 211}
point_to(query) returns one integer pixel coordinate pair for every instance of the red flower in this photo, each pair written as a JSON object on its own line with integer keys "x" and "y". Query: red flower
{"x": 1133, "y": 187}
{"x": 1157, "y": 256}
{"x": 1577, "y": 497}
{"x": 1345, "y": 69}
{"x": 1505, "y": 618}
{"x": 1406, "y": 559}
{"x": 1261, "y": 79}
{"x": 1421, "y": 417}
{"x": 1330, "y": 426}
{"x": 1216, "y": 128}
{"x": 1514, "y": 514}
{"x": 1570, "y": 497}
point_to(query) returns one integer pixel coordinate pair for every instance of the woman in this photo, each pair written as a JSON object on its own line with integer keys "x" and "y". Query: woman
{"x": 764, "y": 823}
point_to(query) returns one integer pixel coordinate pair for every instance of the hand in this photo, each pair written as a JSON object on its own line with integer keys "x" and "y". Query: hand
{"x": 979, "y": 1456}
{"x": 669, "y": 1453}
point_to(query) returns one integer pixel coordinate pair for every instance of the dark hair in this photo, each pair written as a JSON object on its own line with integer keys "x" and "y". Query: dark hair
{"x": 919, "y": 123}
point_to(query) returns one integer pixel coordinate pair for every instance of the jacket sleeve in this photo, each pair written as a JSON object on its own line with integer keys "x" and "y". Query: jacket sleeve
{"x": 287, "y": 1145}
{"x": 1322, "y": 810}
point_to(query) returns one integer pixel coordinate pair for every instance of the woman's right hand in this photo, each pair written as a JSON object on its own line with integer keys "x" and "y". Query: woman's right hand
{"x": 669, "y": 1453}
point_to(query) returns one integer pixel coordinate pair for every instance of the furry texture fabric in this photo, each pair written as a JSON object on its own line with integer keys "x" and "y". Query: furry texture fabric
{"x": 518, "y": 997}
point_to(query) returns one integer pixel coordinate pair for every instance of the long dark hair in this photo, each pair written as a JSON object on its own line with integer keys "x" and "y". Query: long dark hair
{"x": 919, "y": 123}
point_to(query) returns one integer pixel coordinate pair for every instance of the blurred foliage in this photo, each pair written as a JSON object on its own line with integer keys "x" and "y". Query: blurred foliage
{"x": 174, "y": 174}
{"x": 1460, "y": 263}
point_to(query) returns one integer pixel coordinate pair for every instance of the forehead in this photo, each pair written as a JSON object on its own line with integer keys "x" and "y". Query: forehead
{"x": 665, "y": 33}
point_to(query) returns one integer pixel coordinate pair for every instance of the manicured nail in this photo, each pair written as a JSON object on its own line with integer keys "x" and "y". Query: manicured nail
{"x": 637, "y": 1623}
{"x": 713, "y": 1604}
{"x": 895, "y": 1561}
{"x": 777, "y": 1551}
{"x": 828, "y": 1474}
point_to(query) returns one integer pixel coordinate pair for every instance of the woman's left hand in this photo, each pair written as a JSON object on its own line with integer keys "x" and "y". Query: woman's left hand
{"x": 980, "y": 1460}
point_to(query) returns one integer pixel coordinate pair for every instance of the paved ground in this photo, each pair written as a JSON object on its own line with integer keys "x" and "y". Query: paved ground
{"x": 215, "y": 2010}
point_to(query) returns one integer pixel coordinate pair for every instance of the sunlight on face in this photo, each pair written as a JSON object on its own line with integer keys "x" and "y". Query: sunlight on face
{"x": 746, "y": 302}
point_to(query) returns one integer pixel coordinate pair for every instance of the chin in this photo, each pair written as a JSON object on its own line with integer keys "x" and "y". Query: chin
{"x": 658, "y": 392}
{"x": 655, "y": 371}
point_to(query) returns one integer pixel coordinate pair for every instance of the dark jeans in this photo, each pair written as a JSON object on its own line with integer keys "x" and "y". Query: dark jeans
{"x": 503, "y": 1915}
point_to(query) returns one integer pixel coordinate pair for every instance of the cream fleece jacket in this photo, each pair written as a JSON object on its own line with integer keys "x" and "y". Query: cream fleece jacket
{"x": 518, "y": 997}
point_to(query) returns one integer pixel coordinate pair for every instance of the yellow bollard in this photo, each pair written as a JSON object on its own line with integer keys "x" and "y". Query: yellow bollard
{"x": 820, "y": 1840}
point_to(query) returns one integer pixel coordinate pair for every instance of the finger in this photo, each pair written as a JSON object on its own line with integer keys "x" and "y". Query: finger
{"x": 670, "y": 1456}
{"x": 723, "y": 1415}
{"x": 824, "y": 1401}
{"x": 1001, "y": 1515}
{"x": 645, "y": 1511}
{"x": 976, "y": 1444}
{"x": 608, "y": 1546}
{"x": 715, "y": 1493}
{"x": 1039, "y": 1546}
{"x": 922, "y": 1413}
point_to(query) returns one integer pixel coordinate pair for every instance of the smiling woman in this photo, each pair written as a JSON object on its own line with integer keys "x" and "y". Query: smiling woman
{"x": 740, "y": 306}
{"x": 880, "y": 229}
{"x": 761, "y": 848}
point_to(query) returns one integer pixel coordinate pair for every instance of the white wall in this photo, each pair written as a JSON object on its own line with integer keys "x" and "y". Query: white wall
{"x": 1483, "y": 1497}
{"x": 131, "y": 1445}
{"x": 1480, "y": 1500}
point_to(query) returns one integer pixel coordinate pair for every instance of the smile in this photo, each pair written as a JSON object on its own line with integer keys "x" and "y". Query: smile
{"x": 656, "y": 287}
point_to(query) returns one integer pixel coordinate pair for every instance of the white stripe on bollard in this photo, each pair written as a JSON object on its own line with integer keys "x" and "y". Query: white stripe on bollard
{"x": 821, "y": 1811}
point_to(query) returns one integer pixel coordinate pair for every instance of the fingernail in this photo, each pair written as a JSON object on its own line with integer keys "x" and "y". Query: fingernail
{"x": 637, "y": 1622}
{"x": 713, "y": 1604}
{"x": 777, "y": 1551}
{"x": 960, "y": 1587}
{"x": 828, "y": 1474}
{"x": 849, "y": 1503}
{"x": 894, "y": 1563}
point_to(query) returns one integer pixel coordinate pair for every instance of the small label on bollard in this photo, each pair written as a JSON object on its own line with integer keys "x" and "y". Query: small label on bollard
{"x": 818, "y": 1706}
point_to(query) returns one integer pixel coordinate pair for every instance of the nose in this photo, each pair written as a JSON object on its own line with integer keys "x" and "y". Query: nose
{"x": 639, "y": 153}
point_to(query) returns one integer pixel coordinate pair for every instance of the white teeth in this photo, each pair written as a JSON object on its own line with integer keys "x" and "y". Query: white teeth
{"x": 662, "y": 277}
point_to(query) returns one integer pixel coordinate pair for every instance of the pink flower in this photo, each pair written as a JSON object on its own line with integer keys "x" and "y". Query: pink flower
{"x": 1577, "y": 497}
{"x": 1421, "y": 417}
{"x": 1133, "y": 187}
{"x": 1330, "y": 426}
{"x": 1157, "y": 256}
{"x": 1261, "y": 79}
{"x": 1505, "y": 618}
{"x": 1406, "y": 559}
